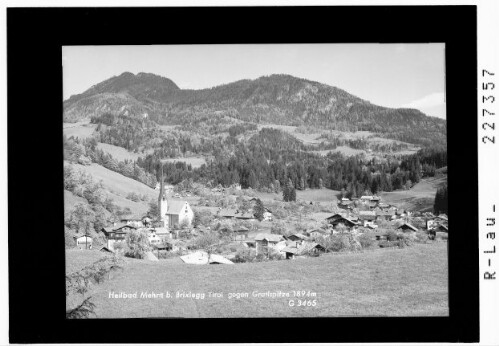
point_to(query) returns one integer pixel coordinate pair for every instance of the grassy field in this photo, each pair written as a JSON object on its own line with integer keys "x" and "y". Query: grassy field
{"x": 118, "y": 153}
{"x": 195, "y": 162}
{"x": 81, "y": 129}
{"x": 405, "y": 282}
{"x": 419, "y": 198}
{"x": 77, "y": 259}
{"x": 118, "y": 187}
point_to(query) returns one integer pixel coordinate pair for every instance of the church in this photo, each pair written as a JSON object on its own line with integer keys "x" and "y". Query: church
{"x": 173, "y": 213}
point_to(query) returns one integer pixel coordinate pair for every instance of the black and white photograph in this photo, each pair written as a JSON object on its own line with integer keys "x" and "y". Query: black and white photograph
{"x": 255, "y": 180}
{"x": 191, "y": 173}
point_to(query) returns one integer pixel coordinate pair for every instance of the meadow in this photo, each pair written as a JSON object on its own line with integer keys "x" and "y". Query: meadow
{"x": 403, "y": 282}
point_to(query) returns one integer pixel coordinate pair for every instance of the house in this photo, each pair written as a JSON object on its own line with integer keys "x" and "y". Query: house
{"x": 153, "y": 237}
{"x": 266, "y": 241}
{"x": 337, "y": 219}
{"x": 240, "y": 234}
{"x": 116, "y": 233}
{"x": 442, "y": 228}
{"x": 202, "y": 257}
{"x": 347, "y": 205}
{"x": 105, "y": 249}
{"x": 84, "y": 242}
{"x": 163, "y": 233}
{"x": 366, "y": 198}
{"x": 383, "y": 205}
{"x": 344, "y": 199}
{"x": 406, "y": 227}
{"x": 385, "y": 215}
{"x": 367, "y": 218}
{"x": 267, "y": 215}
{"x": 304, "y": 249}
{"x": 297, "y": 237}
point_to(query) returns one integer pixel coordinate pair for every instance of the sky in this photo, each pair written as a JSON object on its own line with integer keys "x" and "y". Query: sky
{"x": 390, "y": 75}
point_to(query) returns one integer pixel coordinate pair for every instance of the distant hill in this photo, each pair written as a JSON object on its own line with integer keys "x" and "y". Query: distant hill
{"x": 275, "y": 99}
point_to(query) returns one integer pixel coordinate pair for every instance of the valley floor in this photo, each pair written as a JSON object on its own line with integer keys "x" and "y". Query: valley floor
{"x": 403, "y": 282}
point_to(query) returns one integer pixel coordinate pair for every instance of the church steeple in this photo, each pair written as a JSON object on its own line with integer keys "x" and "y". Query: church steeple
{"x": 162, "y": 202}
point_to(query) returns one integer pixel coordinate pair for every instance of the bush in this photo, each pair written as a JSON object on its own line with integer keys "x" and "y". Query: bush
{"x": 386, "y": 243}
{"x": 391, "y": 235}
{"x": 405, "y": 240}
{"x": 245, "y": 255}
{"x": 421, "y": 237}
{"x": 365, "y": 240}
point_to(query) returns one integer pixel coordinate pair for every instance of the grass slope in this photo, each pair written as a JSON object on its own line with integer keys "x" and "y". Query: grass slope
{"x": 118, "y": 187}
{"x": 405, "y": 282}
{"x": 80, "y": 129}
{"x": 420, "y": 197}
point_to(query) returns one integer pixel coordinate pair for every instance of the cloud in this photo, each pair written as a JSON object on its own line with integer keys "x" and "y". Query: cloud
{"x": 428, "y": 101}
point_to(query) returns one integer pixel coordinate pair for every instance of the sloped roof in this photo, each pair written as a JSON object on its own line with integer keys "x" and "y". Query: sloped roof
{"x": 443, "y": 217}
{"x": 227, "y": 212}
{"x": 269, "y": 237}
{"x": 162, "y": 230}
{"x": 298, "y": 235}
{"x": 241, "y": 229}
{"x": 443, "y": 226}
{"x": 407, "y": 225}
{"x": 302, "y": 249}
{"x": 385, "y": 213}
{"x": 175, "y": 206}
{"x": 245, "y": 216}
{"x": 201, "y": 257}
{"x": 366, "y": 197}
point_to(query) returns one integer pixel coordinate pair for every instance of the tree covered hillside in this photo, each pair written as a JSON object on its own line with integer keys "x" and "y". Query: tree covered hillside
{"x": 275, "y": 99}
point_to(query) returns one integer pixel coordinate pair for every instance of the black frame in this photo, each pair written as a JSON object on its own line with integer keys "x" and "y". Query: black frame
{"x": 36, "y": 274}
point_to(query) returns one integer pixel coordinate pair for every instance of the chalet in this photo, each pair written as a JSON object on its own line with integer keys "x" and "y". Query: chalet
{"x": 442, "y": 228}
{"x": 442, "y": 217}
{"x": 266, "y": 241}
{"x": 267, "y": 215}
{"x": 116, "y": 233}
{"x": 297, "y": 237}
{"x": 367, "y": 218}
{"x": 385, "y": 215}
{"x": 84, "y": 242}
{"x": 134, "y": 221}
{"x": 163, "y": 233}
{"x": 337, "y": 219}
{"x": 240, "y": 234}
{"x": 153, "y": 237}
{"x": 304, "y": 249}
{"x": 366, "y": 198}
{"x": 383, "y": 205}
{"x": 406, "y": 227}
{"x": 347, "y": 205}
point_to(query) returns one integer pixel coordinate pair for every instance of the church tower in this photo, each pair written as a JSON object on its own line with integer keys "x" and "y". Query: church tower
{"x": 162, "y": 202}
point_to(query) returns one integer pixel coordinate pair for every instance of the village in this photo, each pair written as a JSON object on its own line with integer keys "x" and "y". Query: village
{"x": 363, "y": 223}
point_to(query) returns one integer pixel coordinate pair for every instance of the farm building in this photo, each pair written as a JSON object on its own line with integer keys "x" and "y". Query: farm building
{"x": 116, "y": 233}
{"x": 307, "y": 248}
{"x": 406, "y": 227}
{"x": 240, "y": 234}
{"x": 340, "y": 219}
{"x": 266, "y": 241}
{"x": 134, "y": 221}
{"x": 153, "y": 237}
{"x": 367, "y": 218}
{"x": 84, "y": 242}
{"x": 201, "y": 257}
{"x": 163, "y": 233}
{"x": 347, "y": 205}
{"x": 267, "y": 215}
{"x": 385, "y": 215}
{"x": 297, "y": 237}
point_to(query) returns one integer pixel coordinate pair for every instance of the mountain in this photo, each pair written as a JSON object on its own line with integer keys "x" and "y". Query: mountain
{"x": 275, "y": 99}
